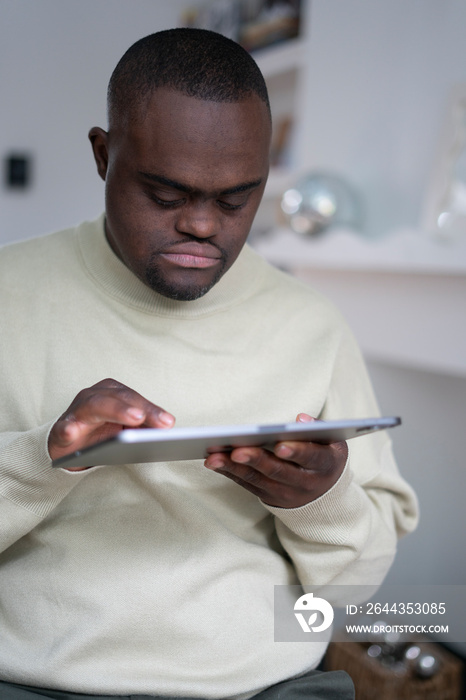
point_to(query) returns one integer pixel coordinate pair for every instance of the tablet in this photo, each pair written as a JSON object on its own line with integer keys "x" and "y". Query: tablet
{"x": 133, "y": 446}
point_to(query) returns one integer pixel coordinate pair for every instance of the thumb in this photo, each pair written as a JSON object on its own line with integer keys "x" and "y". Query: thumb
{"x": 304, "y": 418}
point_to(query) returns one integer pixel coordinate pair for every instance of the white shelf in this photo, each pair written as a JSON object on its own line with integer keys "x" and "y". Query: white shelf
{"x": 403, "y": 251}
{"x": 404, "y": 296}
{"x": 416, "y": 321}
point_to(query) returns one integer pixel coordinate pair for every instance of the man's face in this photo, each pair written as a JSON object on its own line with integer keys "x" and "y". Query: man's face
{"x": 183, "y": 183}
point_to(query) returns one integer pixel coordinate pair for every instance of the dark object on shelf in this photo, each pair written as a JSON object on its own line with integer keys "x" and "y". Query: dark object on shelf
{"x": 399, "y": 675}
{"x": 254, "y": 25}
{"x": 272, "y": 22}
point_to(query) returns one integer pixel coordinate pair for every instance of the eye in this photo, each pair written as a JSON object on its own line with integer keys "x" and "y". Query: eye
{"x": 165, "y": 203}
{"x": 232, "y": 205}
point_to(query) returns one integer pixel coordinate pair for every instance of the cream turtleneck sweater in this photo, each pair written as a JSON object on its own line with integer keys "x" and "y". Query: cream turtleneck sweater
{"x": 159, "y": 578}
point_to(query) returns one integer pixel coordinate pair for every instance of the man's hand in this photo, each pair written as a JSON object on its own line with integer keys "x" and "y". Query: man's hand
{"x": 294, "y": 474}
{"x": 101, "y": 411}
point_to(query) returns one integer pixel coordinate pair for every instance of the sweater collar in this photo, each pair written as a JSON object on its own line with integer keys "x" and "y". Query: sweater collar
{"x": 111, "y": 275}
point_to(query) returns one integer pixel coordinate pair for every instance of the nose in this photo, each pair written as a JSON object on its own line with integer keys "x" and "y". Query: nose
{"x": 199, "y": 219}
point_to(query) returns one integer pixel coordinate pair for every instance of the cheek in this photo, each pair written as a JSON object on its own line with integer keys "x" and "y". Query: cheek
{"x": 243, "y": 223}
{"x": 120, "y": 199}
{"x": 130, "y": 215}
{"x": 232, "y": 238}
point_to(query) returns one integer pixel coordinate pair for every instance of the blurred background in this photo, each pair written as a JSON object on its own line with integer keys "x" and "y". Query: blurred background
{"x": 371, "y": 92}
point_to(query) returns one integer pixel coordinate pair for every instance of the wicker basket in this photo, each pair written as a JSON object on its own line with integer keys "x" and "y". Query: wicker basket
{"x": 373, "y": 681}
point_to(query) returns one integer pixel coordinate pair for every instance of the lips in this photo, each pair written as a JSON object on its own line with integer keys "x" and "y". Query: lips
{"x": 192, "y": 255}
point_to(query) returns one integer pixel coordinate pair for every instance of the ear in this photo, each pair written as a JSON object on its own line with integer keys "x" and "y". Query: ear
{"x": 99, "y": 140}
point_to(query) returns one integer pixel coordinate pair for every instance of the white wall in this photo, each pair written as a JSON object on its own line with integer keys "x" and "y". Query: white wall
{"x": 429, "y": 447}
{"x": 380, "y": 74}
{"x": 56, "y": 57}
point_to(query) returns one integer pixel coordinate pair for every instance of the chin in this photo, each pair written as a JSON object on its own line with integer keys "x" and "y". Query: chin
{"x": 180, "y": 292}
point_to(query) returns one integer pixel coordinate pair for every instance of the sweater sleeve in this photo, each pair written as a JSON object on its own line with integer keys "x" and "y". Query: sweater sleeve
{"x": 349, "y": 535}
{"x": 29, "y": 487}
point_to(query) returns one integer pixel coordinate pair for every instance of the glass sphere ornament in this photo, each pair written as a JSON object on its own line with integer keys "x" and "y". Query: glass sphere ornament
{"x": 319, "y": 201}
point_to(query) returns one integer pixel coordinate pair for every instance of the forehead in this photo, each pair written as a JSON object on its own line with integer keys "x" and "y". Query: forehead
{"x": 175, "y": 132}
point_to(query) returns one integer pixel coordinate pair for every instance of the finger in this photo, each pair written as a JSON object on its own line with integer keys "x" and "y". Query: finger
{"x": 136, "y": 406}
{"x": 304, "y": 418}
{"x": 118, "y": 408}
{"x": 241, "y": 474}
{"x": 294, "y": 474}
{"x": 256, "y": 466}
{"x": 311, "y": 455}
{"x": 269, "y": 490}
{"x": 115, "y": 402}
{"x": 288, "y": 449}
{"x": 250, "y": 455}
{"x": 103, "y": 410}
{"x": 84, "y": 420}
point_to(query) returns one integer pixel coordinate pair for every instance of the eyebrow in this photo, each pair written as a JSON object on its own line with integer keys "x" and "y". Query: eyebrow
{"x": 161, "y": 180}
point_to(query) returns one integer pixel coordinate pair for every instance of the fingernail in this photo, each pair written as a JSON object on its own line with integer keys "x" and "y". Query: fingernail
{"x": 214, "y": 463}
{"x": 304, "y": 418}
{"x": 242, "y": 458}
{"x": 69, "y": 432}
{"x": 167, "y": 419}
{"x": 283, "y": 451}
{"x": 135, "y": 413}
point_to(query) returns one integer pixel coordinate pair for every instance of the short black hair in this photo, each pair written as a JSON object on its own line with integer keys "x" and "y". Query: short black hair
{"x": 197, "y": 62}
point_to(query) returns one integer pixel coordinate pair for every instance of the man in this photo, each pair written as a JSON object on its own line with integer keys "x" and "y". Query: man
{"x": 157, "y": 579}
